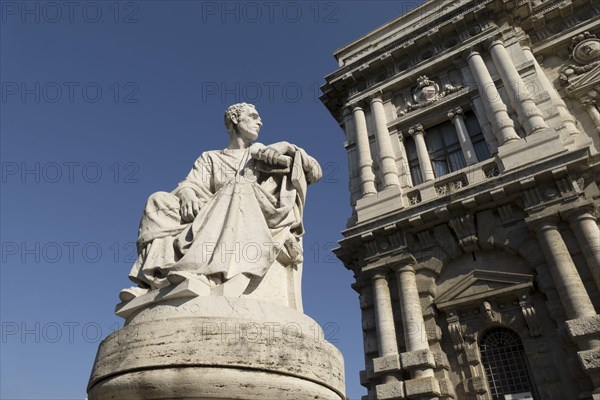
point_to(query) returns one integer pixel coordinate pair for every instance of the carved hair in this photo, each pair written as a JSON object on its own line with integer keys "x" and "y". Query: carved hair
{"x": 234, "y": 111}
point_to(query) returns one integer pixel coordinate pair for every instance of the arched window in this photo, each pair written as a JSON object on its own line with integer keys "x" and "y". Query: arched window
{"x": 505, "y": 364}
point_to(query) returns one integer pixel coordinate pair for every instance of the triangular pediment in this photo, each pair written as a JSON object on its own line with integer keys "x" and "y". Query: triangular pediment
{"x": 585, "y": 81}
{"x": 479, "y": 285}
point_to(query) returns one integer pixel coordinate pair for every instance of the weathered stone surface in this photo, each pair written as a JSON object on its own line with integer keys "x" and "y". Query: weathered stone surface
{"x": 441, "y": 360}
{"x": 386, "y": 364}
{"x": 421, "y": 387}
{"x": 477, "y": 384}
{"x": 390, "y": 391}
{"x": 583, "y": 326}
{"x": 590, "y": 359}
{"x": 417, "y": 359}
{"x": 204, "y": 340}
{"x": 445, "y": 387}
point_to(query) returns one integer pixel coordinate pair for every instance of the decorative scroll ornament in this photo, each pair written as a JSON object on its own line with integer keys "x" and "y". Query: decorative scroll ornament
{"x": 528, "y": 310}
{"x": 464, "y": 228}
{"x": 426, "y": 93}
{"x": 585, "y": 51}
{"x": 456, "y": 332}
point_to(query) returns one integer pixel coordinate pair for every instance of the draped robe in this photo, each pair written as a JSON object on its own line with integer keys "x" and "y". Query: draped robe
{"x": 248, "y": 211}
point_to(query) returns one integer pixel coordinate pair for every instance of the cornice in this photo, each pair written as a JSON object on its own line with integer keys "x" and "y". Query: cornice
{"x": 511, "y": 185}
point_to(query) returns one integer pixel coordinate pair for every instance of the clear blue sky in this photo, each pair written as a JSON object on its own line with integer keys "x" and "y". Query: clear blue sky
{"x": 105, "y": 102}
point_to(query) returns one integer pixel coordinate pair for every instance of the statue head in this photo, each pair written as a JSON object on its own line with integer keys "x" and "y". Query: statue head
{"x": 242, "y": 120}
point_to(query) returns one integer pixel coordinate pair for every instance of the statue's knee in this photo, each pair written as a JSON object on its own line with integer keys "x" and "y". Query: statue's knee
{"x": 162, "y": 201}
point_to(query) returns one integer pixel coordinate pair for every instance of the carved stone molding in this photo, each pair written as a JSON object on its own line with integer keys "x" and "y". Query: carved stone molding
{"x": 464, "y": 228}
{"x": 426, "y": 93}
{"x": 529, "y": 313}
{"x": 480, "y": 285}
{"x": 456, "y": 331}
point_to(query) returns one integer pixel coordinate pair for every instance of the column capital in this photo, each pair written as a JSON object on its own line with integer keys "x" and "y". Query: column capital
{"x": 474, "y": 50}
{"x": 416, "y": 129}
{"x": 377, "y": 275}
{"x": 584, "y": 211}
{"x": 494, "y": 42}
{"x": 357, "y": 106}
{"x": 455, "y": 112}
{"x": 376, "y": 97}
{"x": 542, "y": 223}
{"x": 405, "y": 262}
{"x": 404, "y": 268}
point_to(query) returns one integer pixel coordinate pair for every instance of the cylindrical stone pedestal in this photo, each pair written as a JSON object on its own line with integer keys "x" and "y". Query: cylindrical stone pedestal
{"x": 215, "y": 347}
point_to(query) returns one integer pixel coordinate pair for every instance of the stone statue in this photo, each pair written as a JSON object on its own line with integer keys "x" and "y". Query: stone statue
{"x": 236, "y": 214}
{"x": 217, "y": 313}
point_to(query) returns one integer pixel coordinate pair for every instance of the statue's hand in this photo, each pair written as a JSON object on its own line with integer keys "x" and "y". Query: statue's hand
{"x": 271, "y": 153}
{"x": 190, "y": 206}
{"x": 284, "y": 148}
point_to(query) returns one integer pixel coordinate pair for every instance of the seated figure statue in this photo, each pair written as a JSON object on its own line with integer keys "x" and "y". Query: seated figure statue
{"x": 237, "y": 214}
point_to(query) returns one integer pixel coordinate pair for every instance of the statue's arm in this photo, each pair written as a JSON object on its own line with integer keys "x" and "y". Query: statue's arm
{"x": 196, "y": 189}
{"x": 311, "y": 167}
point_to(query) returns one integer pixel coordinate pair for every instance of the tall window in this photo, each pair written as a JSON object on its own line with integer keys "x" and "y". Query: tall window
{"x": 503, "y": 359}
{"x": 481, "y": 148}
{"x": 413, "y": 161}
{"x": 444, "y": 149}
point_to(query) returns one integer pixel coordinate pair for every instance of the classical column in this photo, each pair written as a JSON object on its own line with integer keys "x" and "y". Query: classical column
{"x": 387, "y": 158}
{"x": 464, "y": 139}
{"x": 592, "y": 109}
{"x": 496, "y": 111}
{"x": 418, "y": 135}
{"x": 415, "y": 335}
{"x": 367, "y": 178}
{"x": 405, "y": 178}
{"x": 584, "y": 226}
{"x": 563, "y": 112}
{"x": 384, "y": 321}
{"x": 572, "y": 293}
{"x": 348, "y": 121}
{"x": 529, "y": 114}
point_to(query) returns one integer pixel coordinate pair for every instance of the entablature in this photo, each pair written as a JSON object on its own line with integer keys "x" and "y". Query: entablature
{"x": 555, "y": 182}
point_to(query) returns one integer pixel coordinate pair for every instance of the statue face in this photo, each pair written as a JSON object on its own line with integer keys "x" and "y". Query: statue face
{"x": 249, "y": 123}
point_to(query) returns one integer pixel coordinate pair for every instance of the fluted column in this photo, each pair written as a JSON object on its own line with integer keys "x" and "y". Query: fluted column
{"x": 418, "y": 134}
{"x": 529, "y": 114}
{"x": 563, "y": 112}
{"x": 415, "y": 335}
{"x": 387, "y": 158}
{"x": 367, "y": 178}
{"x": 384, "y": 320}
{"x": 464, "y": 139}
{"x": 584, "y": 226}
{"x": 496, "y": 111}
{"x": 573, "y": 296}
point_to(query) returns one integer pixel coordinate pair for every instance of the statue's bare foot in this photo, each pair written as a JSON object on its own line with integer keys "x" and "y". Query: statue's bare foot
{"x": 131, "y": 293}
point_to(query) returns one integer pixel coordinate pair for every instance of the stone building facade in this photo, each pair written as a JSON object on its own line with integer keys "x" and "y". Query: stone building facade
{"x": 472, "y": 131}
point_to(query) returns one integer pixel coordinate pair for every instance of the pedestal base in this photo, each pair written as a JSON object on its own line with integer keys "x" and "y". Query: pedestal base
{"x": 214, "y": 347}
